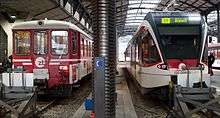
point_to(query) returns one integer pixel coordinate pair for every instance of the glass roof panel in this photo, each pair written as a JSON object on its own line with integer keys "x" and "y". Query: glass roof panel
{"x": 137, "y": 10}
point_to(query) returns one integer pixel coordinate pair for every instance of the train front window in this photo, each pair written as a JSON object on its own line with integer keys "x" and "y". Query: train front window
{"x": 181, "y": 46}
{"x": 22, "y": 42}
{"x": 59, "y": 42}
{"x": 40, "y": 42}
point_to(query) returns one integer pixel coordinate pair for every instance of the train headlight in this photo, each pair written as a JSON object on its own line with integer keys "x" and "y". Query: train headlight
{"x": 182, "y": 66}
{"x": 20, "y": 67}
{"x": 162, "y": 66}
{"x": 63, "y": 68}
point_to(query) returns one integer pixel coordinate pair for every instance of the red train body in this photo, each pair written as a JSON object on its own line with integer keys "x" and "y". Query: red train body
{"x": 56, "y": 52}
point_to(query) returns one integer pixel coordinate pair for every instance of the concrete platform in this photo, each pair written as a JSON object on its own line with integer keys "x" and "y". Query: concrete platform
{"x": 124, "y": 105}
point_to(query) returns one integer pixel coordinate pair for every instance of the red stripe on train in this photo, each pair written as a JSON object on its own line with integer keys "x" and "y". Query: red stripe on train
{"x": 174, "y": 63}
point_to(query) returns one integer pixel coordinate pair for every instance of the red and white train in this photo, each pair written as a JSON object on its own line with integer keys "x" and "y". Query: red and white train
{"x": 58, "y": 53}
{"x": 168, "y": 44}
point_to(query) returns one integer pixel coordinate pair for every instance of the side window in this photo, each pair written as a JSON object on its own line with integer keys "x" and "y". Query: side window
{"x": 205, "y": 54}
{"x": 85, "y": 45}
{"x": 137, "y": 52}
{"x": 74, "y": 41}
{"x": 150, "y": 52}
{"x": 91, "y": 49}
{"x": 133, "y": 53}
{"x": 87, "y": 48}
{"x": 22, "y": 42}
{"x": 82, "y": 47}
{"x": 145, "y": 51}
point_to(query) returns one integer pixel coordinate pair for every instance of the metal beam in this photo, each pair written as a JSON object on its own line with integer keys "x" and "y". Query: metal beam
{"x": 45, "y": 11}
{"x": 191, "y": 5}
{"x": 8, "y": 17}
{"x": 126, "y": 5}
{"x": 133, "y": 8}
{"x": 208, "y": 1}
{"x": 210, "y": 9}
{"x": 65, "y": 2}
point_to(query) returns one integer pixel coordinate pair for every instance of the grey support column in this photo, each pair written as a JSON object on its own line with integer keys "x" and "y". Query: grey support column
{"x": 218, "y": 24}
{"x": 104, "y": 47}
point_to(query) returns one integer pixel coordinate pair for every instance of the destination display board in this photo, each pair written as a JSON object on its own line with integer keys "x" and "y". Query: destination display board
{"x": 178, "y": 20}
{"x": 166, "y": 20}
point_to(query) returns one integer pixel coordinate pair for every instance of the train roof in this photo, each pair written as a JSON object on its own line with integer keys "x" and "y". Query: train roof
{"x": 48, "y": 24}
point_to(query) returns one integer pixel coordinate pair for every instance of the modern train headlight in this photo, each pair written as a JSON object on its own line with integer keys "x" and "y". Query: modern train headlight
{"x": 19, "y": 67}
{"x": 162, "y": 66}
{"x": 182, "y": 66}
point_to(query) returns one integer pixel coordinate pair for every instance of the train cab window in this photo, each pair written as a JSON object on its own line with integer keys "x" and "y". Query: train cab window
{"x": 22, "y": 42}
{"x": 59, "y": 42}
{"x": 74, "y": 41}
{"x": 182, "y": 46}
{"x": 40, "y": 42}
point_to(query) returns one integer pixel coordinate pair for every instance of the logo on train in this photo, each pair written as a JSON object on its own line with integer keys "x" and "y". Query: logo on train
{"x": 40, "y": 62}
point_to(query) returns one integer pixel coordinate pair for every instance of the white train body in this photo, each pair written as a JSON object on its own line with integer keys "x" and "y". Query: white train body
{"x": 163, "y": 47}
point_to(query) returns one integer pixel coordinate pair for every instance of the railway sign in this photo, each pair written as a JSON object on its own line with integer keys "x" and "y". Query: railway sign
{"x": 99, "y": 63}
{"x": 40, "y": 62}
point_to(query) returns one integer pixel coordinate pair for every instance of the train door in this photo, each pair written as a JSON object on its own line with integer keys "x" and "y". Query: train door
{"x": 40, "y": 55}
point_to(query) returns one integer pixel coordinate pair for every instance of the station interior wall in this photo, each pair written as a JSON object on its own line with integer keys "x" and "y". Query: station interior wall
{"x": 7, "y": 27}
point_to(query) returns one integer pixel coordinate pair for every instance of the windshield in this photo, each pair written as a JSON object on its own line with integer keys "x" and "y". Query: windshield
{"x": 40, "y": 42}
{"x": 180, "y": 46}
{"x": 59, "y": 42}
{"x": 22, "y": 42}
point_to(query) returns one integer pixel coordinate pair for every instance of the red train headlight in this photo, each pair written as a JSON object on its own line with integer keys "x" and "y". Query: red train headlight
{"x": 162, "y": 66}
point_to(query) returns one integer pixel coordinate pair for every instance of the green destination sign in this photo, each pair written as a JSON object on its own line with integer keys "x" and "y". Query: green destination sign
{"x": 166, "y": 20}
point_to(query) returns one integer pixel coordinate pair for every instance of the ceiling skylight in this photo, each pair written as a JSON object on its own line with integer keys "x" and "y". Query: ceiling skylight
{"x": 137, "y": 10}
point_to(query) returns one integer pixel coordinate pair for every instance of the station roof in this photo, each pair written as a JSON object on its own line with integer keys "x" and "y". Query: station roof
{"x": 136, "y": 10}
{"x": 129, "y": 13}
{"x": 49, "y": 9}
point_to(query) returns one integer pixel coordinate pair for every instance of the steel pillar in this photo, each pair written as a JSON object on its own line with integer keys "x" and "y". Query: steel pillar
{"x": 104, "y": 46}
{"x": 218, "y": 24}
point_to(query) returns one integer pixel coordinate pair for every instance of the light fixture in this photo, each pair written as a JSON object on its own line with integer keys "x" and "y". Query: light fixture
{"x": 175, "y": 3}
{"x": 13, "y": 17}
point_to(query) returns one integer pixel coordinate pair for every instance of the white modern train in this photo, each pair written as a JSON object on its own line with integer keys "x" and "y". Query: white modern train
{"x": 166, "y": 45}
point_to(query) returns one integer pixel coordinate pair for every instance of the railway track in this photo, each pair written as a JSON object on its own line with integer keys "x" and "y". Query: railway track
{"x": 65, "y": 107}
